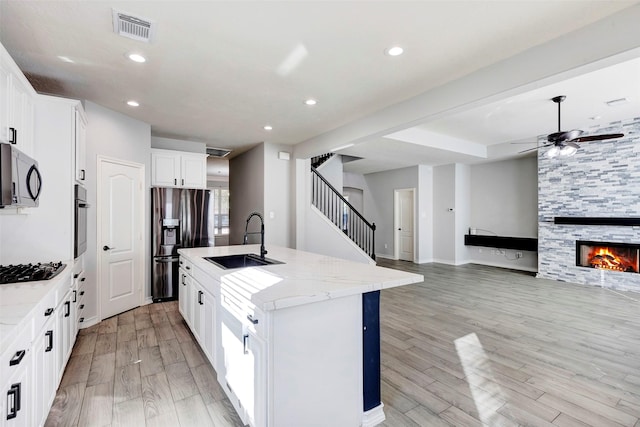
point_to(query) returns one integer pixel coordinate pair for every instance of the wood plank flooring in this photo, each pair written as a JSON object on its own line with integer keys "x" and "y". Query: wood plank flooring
{"x": 470, "y": 346}
{"x": 140, "y": 368}
{"x": 482, "y": 346}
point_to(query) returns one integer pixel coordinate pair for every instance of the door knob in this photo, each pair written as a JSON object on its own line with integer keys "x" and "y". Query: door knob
{"x": 106, "y": 248}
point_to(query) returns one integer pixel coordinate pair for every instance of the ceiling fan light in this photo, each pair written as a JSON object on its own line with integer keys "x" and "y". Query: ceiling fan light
{"x": 553, "y": 152}
{"x": 568, "y": 151}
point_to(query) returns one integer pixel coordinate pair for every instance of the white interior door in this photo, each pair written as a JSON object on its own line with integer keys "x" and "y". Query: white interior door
{"x": 120, "y": 236}
{"x": 404, "y": 224}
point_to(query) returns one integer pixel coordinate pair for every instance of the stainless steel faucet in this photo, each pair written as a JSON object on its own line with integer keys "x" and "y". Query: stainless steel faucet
{"x": 263, "y": 251}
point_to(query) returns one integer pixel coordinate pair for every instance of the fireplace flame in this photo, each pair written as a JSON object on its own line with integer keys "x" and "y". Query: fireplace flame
{"x": 604, "y": 258}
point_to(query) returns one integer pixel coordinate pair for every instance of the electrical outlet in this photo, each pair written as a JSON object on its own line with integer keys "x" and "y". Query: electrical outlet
{"x": 386, "y": 246}
{"x": 518, "y": 254}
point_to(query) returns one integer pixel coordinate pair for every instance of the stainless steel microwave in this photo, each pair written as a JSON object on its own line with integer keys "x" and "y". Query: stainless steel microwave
{"x": 20, "y": 179}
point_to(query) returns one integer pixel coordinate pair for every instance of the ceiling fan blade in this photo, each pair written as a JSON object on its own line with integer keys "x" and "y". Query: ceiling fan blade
{"x": 572, "y": 144}
{"x": 535, "y": 148}
{"x": 598, "y": 137}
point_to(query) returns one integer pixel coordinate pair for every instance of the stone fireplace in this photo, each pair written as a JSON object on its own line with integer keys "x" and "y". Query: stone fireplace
{"x": 602, "y": 180}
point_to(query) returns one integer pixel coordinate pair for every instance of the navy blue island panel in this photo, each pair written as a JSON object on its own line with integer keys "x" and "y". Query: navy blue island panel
{"x": 371, "y": 349}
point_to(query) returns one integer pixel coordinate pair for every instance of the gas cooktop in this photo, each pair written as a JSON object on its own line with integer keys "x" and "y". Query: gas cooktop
{"x": 29, "y": 272}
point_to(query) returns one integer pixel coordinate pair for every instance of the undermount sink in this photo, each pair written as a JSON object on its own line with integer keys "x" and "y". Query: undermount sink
{"x": 240, "y": 260}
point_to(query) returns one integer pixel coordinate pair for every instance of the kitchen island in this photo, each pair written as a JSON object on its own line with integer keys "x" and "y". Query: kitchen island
{"x": 293, "y": 343}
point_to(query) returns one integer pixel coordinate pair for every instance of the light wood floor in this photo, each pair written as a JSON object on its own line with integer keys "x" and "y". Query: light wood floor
{"x": 476, "y": 345}
{"x": 471, "y": 346}
{"x": 142, "y": 367}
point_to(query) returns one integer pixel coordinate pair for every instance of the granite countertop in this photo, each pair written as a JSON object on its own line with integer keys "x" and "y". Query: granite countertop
{"x": 19, "y": 300}
{"x": 303, "y": 278}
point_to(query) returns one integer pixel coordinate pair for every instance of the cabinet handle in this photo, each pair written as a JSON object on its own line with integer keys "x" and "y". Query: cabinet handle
{"x": 75, "y": 296}
{"x": 183, "y": 181}
{"x": 81, "y": 293}
{"x": 82, "y": 174}
{"x": 184, "y": 276}
{"x": 13, "y": 401}
{"x": 67, "y": 306}
{"x": 245, "y": 341}
{"x": 49, "y": 336}
{"x": 48, "y": 311}
{"x": 251, "y": 319}
{"x": 75, "y": 276}
{"x": 188, "y": 268}
{"x": 17, "y": 358}
{"x": 200, "y": 298}
{"x": 81, "y": 307}
{"x": 83, "y": 279}
{"x": 81, "y": 319}
{"x": 175, "y": 181}
{"x": 14, "y": 135}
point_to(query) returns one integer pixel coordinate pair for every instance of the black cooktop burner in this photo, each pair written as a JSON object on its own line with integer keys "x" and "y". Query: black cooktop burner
{"x": 29, "y": 272}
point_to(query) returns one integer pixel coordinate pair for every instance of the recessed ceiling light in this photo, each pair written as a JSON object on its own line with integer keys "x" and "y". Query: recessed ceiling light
{"x": 395, "y": 51}
{"x": 136, "y": 57}
{"x": 268, "y": 127}
{"x": 133, "y": 103}
{"x": 65, "y": 59}
{"x": 616, "y": 102}
{"x": 310, "y": 101}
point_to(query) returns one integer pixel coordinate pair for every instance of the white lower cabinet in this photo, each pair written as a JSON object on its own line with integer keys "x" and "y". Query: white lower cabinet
{"x": 45, "y": 370}
{"x": 18, "y": 396}
{"x": 242, "y": 369}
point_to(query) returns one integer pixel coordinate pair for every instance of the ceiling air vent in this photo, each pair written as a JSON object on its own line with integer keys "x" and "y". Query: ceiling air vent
{"x": 217, "y": 152}
{"x": 132, "y": 27}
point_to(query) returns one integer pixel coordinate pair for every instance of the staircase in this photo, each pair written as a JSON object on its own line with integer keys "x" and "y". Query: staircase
{"x": 340, "y": 212}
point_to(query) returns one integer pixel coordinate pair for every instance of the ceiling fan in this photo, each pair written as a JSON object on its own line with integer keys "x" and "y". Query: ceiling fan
{"x": 565, "y": 143}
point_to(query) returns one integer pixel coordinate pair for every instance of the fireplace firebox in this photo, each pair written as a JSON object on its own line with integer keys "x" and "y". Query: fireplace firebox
{"x": 608, "y": 256}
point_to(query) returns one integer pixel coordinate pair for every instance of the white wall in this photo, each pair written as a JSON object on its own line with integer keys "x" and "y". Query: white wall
{"x": 355, "y": 197}
{"x": 277, "y": 198}
{"x": 379, "y": 204}
{"x": 114, "y": 135}
{"x": 462, "y": 211}
{"x": 504, "y": 197}
{"x": 178, "y": 145}
{"x": 246, "y": 193}
{"x": 444, "y": 178}
{"x": 425, "y": 214}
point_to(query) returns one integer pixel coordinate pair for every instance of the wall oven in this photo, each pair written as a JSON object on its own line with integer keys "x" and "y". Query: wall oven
{"x": 80, "y": 240}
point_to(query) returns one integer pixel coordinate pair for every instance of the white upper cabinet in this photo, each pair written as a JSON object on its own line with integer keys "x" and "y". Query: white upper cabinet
{"x": 80, "y": 144}
{"x": 178, "y": 169}
{"x": 16, "y": 105}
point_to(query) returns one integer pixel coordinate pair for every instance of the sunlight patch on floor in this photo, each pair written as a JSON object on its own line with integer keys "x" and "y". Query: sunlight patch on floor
{"x": 487, "y": 394}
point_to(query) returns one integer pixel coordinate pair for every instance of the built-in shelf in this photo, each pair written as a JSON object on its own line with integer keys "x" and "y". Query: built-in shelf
{"x": 502, "y": 242}
{"x": 592, "y": 220}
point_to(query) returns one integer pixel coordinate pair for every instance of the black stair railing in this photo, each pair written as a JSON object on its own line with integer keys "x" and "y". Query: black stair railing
{"x": 339, "y": 211}
{"x": 318, "y": 160}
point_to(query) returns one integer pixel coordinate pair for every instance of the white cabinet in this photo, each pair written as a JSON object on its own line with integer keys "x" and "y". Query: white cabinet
{"x": 185, "y": 300}
{"x": 17, "y": 110}
{"x": 178, "y": 169}
{"x": 45, "y": 370}
{"x": 80, "y": 144}
{"x": 204, "y": 321}
{"x": 15, "y": 380}
{"x": 242, "y": 371}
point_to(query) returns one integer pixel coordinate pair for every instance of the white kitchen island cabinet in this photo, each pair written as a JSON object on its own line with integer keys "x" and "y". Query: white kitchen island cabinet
{"x": 288, "y": 338}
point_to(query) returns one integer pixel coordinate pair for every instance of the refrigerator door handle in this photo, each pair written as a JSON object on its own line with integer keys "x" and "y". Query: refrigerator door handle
{"x": 175, "y": 259}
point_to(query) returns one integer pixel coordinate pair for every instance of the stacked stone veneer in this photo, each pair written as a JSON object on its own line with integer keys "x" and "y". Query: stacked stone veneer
{"x": 602, "y": 180}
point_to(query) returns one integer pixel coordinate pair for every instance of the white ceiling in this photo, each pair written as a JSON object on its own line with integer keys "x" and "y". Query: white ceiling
{"x": 217, "y": 72}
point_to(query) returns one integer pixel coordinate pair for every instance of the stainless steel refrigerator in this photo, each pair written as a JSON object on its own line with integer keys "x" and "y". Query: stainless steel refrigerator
{"x": 180, "y": 218}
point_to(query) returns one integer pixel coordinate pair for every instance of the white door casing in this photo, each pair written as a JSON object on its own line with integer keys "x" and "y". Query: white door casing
{"x": 404, "y": 242}
{"x": 120, "y": 210}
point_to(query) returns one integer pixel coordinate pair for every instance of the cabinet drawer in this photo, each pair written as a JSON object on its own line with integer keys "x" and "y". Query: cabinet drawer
{"x": 208, "y": 283}
{"x": 186, "y": 265}
{"x": 17, "y": 353}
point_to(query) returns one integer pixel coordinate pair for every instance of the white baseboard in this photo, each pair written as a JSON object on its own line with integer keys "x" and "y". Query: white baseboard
{"x": 89, "y": 322}
{"x": 374, "y": 416}
{"x": 511, "y": 266}
{"x": 386, "y": 256}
